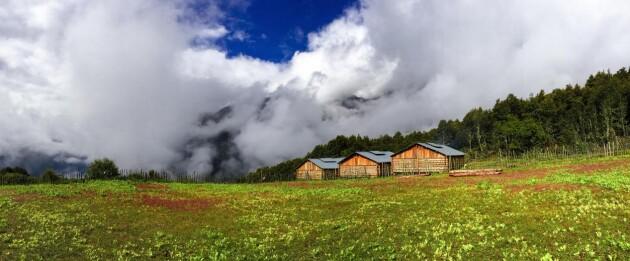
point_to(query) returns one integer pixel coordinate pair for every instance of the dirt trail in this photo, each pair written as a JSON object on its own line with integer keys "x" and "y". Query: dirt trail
{"x": 446, "y": 181}
{"x": 592, "y": 167}
{"x": 508, "y": 177}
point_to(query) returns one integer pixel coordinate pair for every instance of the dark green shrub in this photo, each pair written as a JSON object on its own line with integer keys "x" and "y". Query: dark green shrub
{"x": 50, "y": 176}
{"x": 17, "y": 170}
{"x": 154, "y": 175}
{"x": 136, "y": 176}
{"x": 102, "y": 169}
{"x": 150, "y": 175}
{"x": 15, "y": 178}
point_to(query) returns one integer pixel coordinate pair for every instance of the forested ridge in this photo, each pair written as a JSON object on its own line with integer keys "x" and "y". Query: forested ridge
{"x": 596, "y": 113}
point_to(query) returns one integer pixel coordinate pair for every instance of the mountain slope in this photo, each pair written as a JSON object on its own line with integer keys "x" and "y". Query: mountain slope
{"x": 575, "y": 116}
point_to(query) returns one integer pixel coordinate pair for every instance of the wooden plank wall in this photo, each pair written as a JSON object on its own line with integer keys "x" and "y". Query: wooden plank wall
{"x": 308, "y": 170}
{"x": 419, "y": 165}
{"x": 418, "y": 159}
{"x": 358, "y": 166}
{"x": 358, "y": 171}
{"x": 385, "y": 169}
{"x": 358, "y": 160}
{"x": 331, "y": 173}
{"x": 418, "y": 151}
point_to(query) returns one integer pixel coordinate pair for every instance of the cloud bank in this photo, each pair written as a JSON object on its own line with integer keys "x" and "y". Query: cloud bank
{"x": 143, "y": 83}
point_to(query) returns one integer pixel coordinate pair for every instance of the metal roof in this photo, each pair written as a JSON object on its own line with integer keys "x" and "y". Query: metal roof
{"x": 377, "y": 156}
{"x": 327, "y": 163}
{"x": 442, "y": 149}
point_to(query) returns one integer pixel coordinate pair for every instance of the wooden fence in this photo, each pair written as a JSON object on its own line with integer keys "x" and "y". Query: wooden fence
{"x": 509, "y": 159}
{"x": 124, "y": 174}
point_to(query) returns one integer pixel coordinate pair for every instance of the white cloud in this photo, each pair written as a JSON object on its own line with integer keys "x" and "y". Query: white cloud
{"x": 119, "y": 78}
{"x": 340, "y": 62}
{"x": 239, "y": 35}
{"x": 213, "y": 33}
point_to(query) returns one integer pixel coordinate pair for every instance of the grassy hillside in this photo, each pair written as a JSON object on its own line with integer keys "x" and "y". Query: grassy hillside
{"x": 568, "y": 209}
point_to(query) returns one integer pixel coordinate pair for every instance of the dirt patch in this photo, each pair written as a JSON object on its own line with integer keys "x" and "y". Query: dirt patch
{"x": 26, "y": 197}
{"x": 79, "y": 196}
{"x": 546, "y": 187}
{"x": 592, "y": 167}
{"x": 379, "y": 186}
{"x": 302, "y": 184}
{"x": 421, "y": 180}
{"x": 151, "y": 186}
{"x": 264, "y": 195}
{"x": 514, "y": 175}
{"x": 475, "y": 172}
{"x": 443, "y": 181}
{"x": 193, "y": 204}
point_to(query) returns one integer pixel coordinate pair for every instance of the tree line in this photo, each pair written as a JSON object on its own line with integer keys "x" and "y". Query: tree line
{"x": 596, "y": 113}
{"x": 98, "y": 169}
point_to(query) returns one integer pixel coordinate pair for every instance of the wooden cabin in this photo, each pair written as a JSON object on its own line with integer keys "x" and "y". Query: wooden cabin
{"x": 426, "y": 158}
{"x": 324, "y": 168}
{"x": 366, "y": 164}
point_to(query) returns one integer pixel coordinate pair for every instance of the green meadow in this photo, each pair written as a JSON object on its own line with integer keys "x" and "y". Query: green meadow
{"x": 574, "y": 209}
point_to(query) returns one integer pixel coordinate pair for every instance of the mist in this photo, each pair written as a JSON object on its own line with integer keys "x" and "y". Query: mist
{"x": 145, "y": 84}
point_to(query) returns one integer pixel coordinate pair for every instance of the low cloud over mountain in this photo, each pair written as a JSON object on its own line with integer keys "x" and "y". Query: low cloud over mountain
{"x": 144, "y": 83}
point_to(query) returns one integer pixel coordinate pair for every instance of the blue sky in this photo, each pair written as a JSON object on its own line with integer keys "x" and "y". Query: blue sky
{"x": 273, "y": 30}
